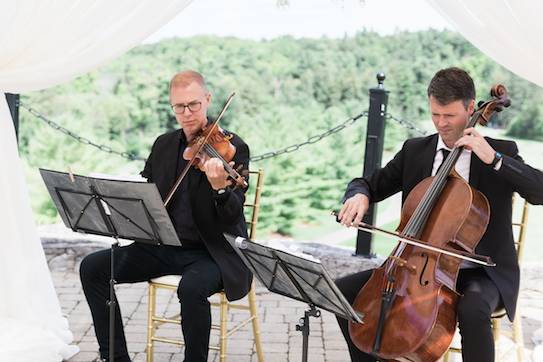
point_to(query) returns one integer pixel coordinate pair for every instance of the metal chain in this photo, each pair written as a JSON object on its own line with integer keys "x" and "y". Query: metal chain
{"x": 271, "y": 154}
{"x": 406, "y": 124}
{"x": 83, "y": 140}
{"x": 310, "y": 140}
{"x": 132, "y": 157}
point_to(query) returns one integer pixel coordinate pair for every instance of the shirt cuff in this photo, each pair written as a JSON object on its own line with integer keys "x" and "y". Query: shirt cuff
{"x": 498, "y": 165}
{"x": 221, "y": 197}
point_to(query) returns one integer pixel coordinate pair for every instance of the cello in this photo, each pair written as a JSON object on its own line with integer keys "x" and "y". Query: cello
{"x": 409, "y": 302}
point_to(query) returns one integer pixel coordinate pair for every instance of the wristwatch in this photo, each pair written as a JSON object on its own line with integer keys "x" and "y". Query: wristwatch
{"x": 497, "y": 158}
{"x": 221, "y": 191}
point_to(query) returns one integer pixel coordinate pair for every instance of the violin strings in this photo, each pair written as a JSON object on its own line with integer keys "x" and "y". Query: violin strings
{"x": 214, "y": 153}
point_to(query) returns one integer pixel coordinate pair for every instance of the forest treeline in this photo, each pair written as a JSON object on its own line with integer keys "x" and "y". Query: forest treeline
{"x": 287, "y": 90}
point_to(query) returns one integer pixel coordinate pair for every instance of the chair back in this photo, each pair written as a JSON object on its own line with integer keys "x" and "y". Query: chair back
{"x": 252, "y": 206}
{"x": 520, "y": 222}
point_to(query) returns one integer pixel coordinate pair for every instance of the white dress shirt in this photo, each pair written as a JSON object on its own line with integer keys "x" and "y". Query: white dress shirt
{"x": 462, "y": 165}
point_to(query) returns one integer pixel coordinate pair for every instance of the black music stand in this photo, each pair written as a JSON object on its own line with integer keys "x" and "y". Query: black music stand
{"x": 119, "y": 209}
{"x": 297, "y": 278}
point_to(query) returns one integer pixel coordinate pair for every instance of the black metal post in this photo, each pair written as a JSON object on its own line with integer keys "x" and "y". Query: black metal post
{"x": 375, "y": 136}
{"x": 13, "y": 103}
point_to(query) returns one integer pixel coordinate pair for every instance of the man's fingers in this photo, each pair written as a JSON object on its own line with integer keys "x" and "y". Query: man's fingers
{"x": 341, "y": 212}
{"x": 348, "y": 217}
{"x": 344, "y": 212}
{"x": 359, "y": 215}
{"x": 351, "y": 216}
{"x": 353, "y": 210}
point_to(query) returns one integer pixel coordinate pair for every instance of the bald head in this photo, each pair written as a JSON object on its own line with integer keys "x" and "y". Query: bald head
{"x": 185, "y": 78}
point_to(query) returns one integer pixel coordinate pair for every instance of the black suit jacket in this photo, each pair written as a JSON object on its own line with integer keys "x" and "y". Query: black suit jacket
{"x": 213, "y": 214}
{"x": 414, "y": 162}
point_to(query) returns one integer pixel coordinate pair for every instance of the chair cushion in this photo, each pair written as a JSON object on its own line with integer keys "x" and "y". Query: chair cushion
{"x": 172, "y": 280}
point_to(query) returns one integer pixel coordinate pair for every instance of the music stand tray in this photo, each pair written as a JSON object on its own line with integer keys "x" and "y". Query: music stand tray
{"x": 119, "y": 209}
{"x": 297, "y": 278}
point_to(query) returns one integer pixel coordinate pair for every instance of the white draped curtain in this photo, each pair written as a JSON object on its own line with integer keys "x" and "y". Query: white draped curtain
{"x": 508, "y": 31}
{"x": 44, "y": 43}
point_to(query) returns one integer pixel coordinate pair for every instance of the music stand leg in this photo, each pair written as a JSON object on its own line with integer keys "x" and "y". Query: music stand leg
{"x": 304, "y": 328}
{"x": 112, "y": 303}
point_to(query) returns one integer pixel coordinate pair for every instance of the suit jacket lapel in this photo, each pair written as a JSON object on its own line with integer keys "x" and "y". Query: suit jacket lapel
{"x": 170, "y": 160}
{"x": 428, "y": 155}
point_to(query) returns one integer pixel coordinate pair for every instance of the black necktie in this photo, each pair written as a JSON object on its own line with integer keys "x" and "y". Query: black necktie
{"x": 445, "y": 154}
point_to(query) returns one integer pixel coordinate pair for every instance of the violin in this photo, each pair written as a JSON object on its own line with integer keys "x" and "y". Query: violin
{"x": 210, "y": 142}
{"x": 409, "y": 302}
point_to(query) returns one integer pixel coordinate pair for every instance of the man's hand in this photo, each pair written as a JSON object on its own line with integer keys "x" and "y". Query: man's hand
{"x": 353, "y": 210}
{"x": 473, "y": 141}
{"x": 216, "y": 174}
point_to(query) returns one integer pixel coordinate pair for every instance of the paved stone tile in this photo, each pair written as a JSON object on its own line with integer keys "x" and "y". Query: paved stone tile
{"x": 84, "y": 356}
{"x": 278, "y": 317}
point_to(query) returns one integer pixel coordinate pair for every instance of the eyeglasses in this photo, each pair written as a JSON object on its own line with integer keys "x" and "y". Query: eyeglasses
{"x": 192, "y": 106}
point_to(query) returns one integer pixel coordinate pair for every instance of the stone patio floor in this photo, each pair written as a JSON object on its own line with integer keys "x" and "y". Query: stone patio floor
{"x": 278, "y": 315}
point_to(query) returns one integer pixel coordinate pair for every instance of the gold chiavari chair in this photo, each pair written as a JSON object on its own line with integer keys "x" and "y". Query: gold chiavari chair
{"x": 170, "y": 282}
{"x": 516, "y": 328}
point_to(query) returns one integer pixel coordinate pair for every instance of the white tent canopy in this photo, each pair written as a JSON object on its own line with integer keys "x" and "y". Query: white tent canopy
{"x": 45, "y": 43}
{"x": 508, "y": 31}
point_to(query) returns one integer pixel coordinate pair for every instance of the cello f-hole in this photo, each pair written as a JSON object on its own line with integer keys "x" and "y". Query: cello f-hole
{"x": 425, "y": 282}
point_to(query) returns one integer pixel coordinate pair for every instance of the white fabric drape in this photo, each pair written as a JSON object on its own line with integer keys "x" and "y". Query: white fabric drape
{"x": 42, "y": 44}
{"x": 508, "y": 31}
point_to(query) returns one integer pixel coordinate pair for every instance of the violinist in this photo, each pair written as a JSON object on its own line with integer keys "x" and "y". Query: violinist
{"x": 201, "y": 209}
{"x": 491, "y": 166}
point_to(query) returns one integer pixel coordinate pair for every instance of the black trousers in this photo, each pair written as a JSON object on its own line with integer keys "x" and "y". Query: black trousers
{"x": 140, "y": 262}
{"x": 480, "y": 298}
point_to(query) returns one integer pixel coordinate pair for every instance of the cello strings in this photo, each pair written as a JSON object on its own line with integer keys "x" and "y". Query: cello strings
{"x": 421, "y": 212}
{"x": 416, "y": 223}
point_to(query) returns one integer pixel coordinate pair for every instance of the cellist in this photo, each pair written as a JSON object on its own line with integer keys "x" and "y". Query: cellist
{"x": 491, "y": 166}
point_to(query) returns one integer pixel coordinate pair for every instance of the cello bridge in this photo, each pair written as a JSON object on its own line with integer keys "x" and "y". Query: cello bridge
{"x": 403, "y": 263}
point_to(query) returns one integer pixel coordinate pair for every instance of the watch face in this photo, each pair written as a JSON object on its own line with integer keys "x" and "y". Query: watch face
{"x": 221, "y": 191}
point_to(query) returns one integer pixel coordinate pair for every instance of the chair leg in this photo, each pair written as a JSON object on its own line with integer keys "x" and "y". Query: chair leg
{"x": 224, "y": 328}
{"x": 496, "y": 326}
{"x": 151, "y": 309}
{"x": 518, "y": 338}
{"x": 256, "y": 326}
